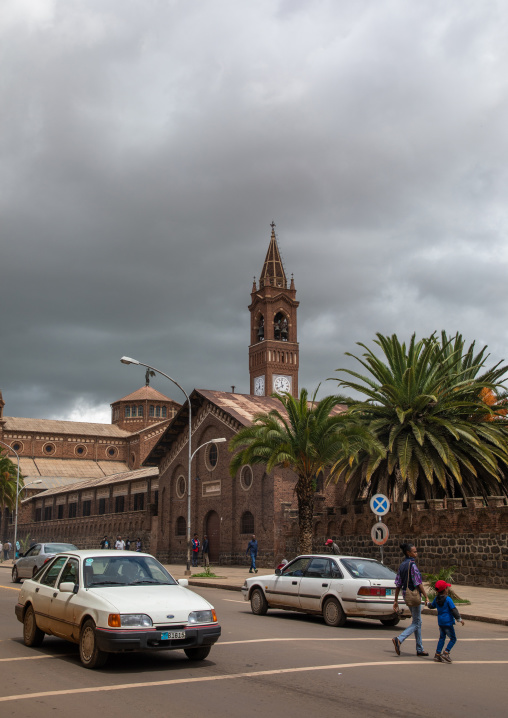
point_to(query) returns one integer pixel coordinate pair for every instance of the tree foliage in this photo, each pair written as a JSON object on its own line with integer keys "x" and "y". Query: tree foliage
{"x": 306, "y": 437}
{"x": 8, "y": 472}
{"x": 440, "y": 413}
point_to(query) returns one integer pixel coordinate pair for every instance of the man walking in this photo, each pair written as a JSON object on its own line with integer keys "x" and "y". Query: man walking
{"x": 119, "y": 544}
{"x": 252, "y": 549}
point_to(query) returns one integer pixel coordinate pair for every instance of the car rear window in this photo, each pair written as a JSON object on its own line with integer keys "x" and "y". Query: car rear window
{"x": 59, "y": 547}
{"x": 366, "y": 568}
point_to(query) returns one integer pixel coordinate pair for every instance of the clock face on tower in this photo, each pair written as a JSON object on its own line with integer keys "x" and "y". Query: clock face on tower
{"x": 259, "y": 386}
{"x": 281, "y": 383}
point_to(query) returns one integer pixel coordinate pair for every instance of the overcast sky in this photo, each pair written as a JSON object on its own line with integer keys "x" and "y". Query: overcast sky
{"x": 146, "y": 145}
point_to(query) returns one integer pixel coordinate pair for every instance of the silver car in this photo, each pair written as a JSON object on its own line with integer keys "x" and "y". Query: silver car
{"x": 336, "y": 587}
{"x": 27, "y": 565}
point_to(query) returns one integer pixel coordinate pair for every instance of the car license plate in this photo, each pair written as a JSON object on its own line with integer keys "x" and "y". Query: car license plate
{"x": 389, "y": 591}
{"x": 167, "y": 635}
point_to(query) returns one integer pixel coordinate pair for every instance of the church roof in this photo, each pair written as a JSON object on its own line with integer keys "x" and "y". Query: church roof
{"x": 55, "y": 426}
{"x": 72, "y": 469}
{"x": 136, "y": 475}
{"x": 273, "y": 270}
{"x": 145, "y": 393}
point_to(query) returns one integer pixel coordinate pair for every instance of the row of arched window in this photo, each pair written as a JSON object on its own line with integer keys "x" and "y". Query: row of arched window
{"x": 158, "y": 411}
{"x": 246, "y": 524}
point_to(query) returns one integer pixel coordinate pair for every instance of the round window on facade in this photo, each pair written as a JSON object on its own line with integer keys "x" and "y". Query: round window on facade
{"x": 246, "y": 477}
{"x": 212, "y": 457}
{"x": 80, "y": 450}
{"x": 49, "y": 449}
{"x": 17, "y": 446}
{"x": 181, "y": 485}
{"x": 112, "y": 451}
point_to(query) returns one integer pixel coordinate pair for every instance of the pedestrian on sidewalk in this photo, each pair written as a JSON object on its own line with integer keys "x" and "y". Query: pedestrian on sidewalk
{"x": 119, "y": 543}
{"x": 332, "y": 547}
{"x": 104, "y": 543}
{"x": 252, "y": 549}
{"x": 6, "y": 548}
{"x": 409, "y": 579}
{"x": 206, "y": 552}
{"x": 139, "y": 545}
{"x": 195, "y": 545}
{"x": 447, "y": 612}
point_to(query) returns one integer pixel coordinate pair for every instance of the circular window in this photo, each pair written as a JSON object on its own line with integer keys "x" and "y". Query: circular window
{"x": 17, "y": 446}
{"x": 49, "y": 448}
{"x": 80, "y": 450}
{"x": 112, "y": 451}
{"x": 246, "y": 477}
{"x": 181, "y": 485}
{"x": 212, "y": 457}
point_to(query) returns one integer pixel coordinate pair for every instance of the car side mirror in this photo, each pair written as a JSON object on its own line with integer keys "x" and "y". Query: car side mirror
{"x": 183, "y": 582}
{"x": 67, "y": 587}
{"x": 278, "y": 572}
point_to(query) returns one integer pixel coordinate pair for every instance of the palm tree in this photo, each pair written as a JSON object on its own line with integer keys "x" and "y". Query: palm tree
{"x": 439, "y": 412}
{"x": 8, "y": 473}
{"x": 305, "y": 437}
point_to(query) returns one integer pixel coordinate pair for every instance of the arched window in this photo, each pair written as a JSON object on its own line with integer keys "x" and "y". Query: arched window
{"x": 133, "y": 411}
{"x": 280, "y": 327}
{"x": 140, "y": 410}
{"x": 247, "y": 526}
{"x": 152, "y": 410}
{"x": 127, "y": 411}
{"x": 164, "y": 412}
{"x": 157, "y": 411}
{"x": 260, "y": 331}
{"x": 181, "y": 526}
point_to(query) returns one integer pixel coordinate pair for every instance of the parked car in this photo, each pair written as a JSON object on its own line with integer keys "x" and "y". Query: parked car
{"x": 114, "y": 601}
{"x": 30, "y": 562}
{"x": 336, "y": 587}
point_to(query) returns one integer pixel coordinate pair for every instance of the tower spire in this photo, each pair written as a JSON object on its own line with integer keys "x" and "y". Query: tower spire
{"x": 273, "y": 273}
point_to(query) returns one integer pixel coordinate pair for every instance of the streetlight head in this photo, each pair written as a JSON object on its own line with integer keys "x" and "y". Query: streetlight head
{"x": 128, "y": 360}
{"x": 219, "y": 441}
{"x": 39, "y": 481}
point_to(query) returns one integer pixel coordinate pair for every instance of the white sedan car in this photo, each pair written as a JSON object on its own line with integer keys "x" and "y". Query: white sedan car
{"x": 336, "y": 587}
{"x": 114, "y": 601}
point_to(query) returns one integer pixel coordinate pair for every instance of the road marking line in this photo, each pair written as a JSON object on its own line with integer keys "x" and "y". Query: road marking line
{"x": 280, "y": 640}
{"x": 11, "y": 588}
{"x": 35, "y": 658}
{"x": 231, "y": 600}
{"x": 252, "y": 674}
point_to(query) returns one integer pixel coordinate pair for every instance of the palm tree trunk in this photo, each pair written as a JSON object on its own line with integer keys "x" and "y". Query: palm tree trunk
{"x": 305, "y": 495}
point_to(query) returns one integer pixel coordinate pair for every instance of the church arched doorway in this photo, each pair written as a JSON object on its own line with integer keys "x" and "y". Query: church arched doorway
{"x": 212, "y": 530}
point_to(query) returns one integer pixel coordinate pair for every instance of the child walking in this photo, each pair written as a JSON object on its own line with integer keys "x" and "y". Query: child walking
{"x": 446, "y": 615}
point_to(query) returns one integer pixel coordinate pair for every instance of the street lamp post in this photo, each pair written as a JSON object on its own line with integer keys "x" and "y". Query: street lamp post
{"x": 128, "y": 360}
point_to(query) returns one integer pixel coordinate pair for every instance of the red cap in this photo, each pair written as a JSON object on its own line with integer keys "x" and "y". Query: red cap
{"x": 441, "y": 585}
{"x": 328, "y": 542}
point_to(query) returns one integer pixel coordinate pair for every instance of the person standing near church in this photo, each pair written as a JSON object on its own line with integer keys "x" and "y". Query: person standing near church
{"x": 195, "y": 545}
{"x": 206, "y": 551}
{"x": 252, "y": 550}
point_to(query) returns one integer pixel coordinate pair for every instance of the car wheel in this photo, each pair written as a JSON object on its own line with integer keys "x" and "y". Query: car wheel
{"x": 258, "y": 602}
{"x": 15, "y": 575}
{"x": 32, "y": 634}
{"x": 333, "y": 613}
{"x": 89, "y": 653}
{"x": 390, "y": 621}
{"x": 197, "y": 654}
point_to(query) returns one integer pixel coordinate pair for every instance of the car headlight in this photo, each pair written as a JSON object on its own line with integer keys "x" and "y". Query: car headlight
{"x": 140, "y": 620}
{"x": 202, "y": 617}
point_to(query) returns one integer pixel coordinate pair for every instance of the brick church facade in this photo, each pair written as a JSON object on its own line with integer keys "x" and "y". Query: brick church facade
{"x": 152, "y": 449}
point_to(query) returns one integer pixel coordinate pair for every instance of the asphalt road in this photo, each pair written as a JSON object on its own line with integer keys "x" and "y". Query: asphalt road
{"x": 282, "y": 664}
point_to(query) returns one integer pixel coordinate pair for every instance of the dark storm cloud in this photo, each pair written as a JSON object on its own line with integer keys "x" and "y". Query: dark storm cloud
{"x": 146, "y": 146}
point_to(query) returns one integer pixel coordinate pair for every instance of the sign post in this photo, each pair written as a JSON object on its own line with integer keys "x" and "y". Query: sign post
{"x": 380, "y": 505}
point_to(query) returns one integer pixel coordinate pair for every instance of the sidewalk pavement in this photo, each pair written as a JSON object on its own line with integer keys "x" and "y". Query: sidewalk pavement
{"x": 489, "y": 605}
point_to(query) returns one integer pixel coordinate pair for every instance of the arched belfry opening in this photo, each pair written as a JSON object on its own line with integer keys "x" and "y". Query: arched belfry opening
{"x": 273, "y": 309}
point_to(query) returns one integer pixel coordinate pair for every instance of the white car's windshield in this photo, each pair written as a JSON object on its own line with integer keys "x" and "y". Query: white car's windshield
{"x": 125, "y": 571}
{"x": 365, "y": 568}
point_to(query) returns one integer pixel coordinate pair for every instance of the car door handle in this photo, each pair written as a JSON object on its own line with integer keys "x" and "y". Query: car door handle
{"x": 324, "y": 585}
{"x": 36, "y": 590}
{"x": 55, "y": 594}
{"x": 294, "y": 583}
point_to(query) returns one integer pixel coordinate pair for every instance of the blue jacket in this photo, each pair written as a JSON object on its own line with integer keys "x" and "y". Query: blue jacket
{"x": 446, "y": 610}
{"x": 252, "y": 548}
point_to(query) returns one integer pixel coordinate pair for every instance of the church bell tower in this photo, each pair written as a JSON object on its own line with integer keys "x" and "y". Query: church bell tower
{"x": 273, "y": 350}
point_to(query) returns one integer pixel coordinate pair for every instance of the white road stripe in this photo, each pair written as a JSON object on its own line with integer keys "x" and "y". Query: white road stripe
{"x": 253, "y": 674}
{"x": 386, "y": 639}
{"x": 35, "y": 658}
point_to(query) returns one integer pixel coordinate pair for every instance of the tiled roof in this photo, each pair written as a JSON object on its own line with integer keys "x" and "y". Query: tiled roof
{"x": 136, "y": 475}
{"x": 71, "y": 428}
{"x": 145, "y": 393}
{"x": 50, "y": 482}
{"x": 70, "y": 468}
